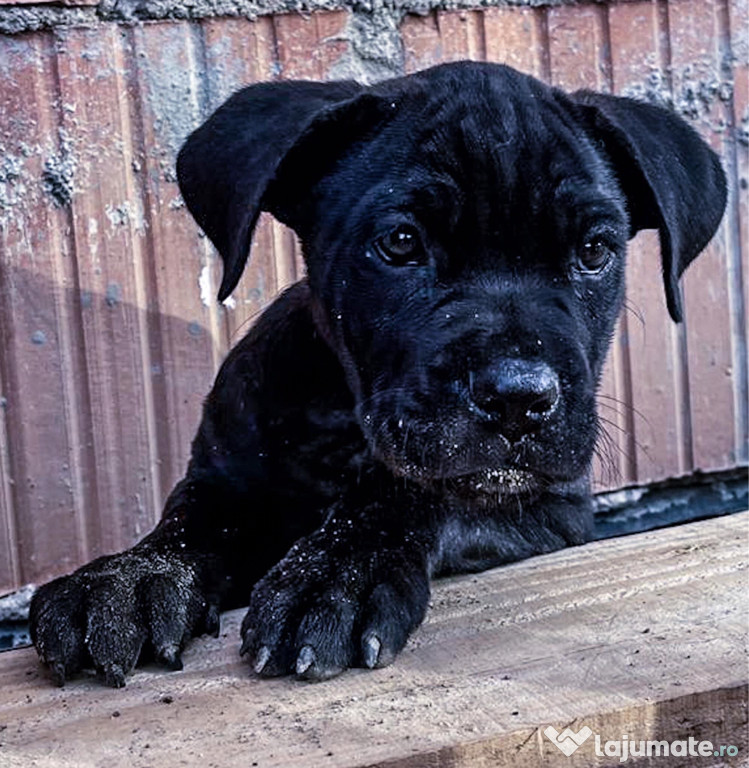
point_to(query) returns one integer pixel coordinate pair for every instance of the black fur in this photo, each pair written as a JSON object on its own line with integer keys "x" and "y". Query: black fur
{"x": 393, "y": 416}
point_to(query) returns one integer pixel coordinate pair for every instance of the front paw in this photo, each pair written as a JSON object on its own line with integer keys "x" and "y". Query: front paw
{"x": 107, "y": 611}
{"x": 319, "y": 612}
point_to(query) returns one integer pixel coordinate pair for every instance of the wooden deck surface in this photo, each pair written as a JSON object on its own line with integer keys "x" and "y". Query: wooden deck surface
{"x": 644, "y": 635}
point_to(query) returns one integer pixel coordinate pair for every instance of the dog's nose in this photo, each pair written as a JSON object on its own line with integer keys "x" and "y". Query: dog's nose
{"x": 517, "y": 394}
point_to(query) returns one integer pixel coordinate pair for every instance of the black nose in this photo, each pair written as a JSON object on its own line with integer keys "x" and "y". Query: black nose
{"x": 517, "y": 394}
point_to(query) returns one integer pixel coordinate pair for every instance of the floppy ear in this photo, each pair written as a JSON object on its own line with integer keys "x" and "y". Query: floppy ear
{"x": 672, "y": 180}
{"x": 226, "y": 165}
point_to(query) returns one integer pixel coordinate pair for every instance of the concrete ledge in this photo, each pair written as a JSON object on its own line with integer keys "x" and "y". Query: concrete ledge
{"x": 643, "y": 635}
{"x": 28, "y": 16}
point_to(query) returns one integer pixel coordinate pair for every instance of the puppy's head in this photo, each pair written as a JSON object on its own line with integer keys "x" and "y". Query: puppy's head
{"x": 465, "y": 231}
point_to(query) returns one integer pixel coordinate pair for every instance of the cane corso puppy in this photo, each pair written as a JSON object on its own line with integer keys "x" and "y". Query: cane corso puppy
{"x": 423, "y": 402}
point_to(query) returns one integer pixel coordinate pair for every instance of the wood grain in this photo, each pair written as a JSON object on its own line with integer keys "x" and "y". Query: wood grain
{"x": 643, "y": 635}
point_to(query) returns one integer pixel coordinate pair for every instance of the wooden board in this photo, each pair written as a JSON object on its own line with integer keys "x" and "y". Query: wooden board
{"x": 643, "y": 635}
{"x": 698, "y": 31}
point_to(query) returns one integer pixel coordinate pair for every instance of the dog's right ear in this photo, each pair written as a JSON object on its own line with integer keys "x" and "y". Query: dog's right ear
{"x": 226, "y": 165}
{"x": 672, "y": 179}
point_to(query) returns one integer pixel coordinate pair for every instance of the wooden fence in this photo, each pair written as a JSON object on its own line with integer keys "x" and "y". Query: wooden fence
{"x": 109, "y": 330}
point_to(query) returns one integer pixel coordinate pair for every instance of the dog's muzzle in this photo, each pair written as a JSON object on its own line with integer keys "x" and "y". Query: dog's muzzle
{"x": 482, "y": 440}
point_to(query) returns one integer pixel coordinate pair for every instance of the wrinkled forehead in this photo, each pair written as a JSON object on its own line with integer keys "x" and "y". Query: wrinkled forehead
{"x": 496, "y": 137}
{"x": 491, "y": 148}
{"x": 480, "y": 150}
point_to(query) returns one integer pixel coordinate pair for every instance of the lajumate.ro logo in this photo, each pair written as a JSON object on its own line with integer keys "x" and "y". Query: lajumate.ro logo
{"x": 569, "y": 741}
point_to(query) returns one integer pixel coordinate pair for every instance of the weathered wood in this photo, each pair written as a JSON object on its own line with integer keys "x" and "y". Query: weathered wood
{"x": 643, "y": 635}
{"x": 110, "y": 334}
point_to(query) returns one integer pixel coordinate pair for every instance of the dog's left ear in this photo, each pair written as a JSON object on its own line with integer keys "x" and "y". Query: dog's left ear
{"x": 672, "y": 180}
{"x": 229, "y": 168}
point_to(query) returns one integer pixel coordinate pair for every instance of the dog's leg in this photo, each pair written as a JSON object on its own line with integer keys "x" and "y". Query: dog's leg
{"x": 350, "y": 593}
{"x": 207, "y": 551}
{"x": 213, "y": 542}
{"x": 158, "y": 594}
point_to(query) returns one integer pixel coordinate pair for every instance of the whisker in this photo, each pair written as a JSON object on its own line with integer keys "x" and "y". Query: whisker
{"x": 637, "y": 444}
{"x": 613, "y": 424}
{"x": 611, "y": 473}
{"x": 611, "y": 442}
{"x": 247, "y": 321}
{"x": 604, "y": 449}
{"x": 635, "y": 311}
{"x": 627, "y": 406}
{"x": 383, "y": 395}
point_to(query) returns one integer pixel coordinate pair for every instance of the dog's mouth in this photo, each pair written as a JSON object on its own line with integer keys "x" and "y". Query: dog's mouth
{"x": 490, "y": 483}
{"x": 505, "y": 481}
{"x": 450, "y": 456}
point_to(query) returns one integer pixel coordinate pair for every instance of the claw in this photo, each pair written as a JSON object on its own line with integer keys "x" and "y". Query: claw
{"x": 305, "y": 659}
{"x": 262, "y": 658}
{"x": 372, "y": 647}
{"x": 246, "y": 643}
{"x": 57, "y": 669}
{"x": 169, "y": 657}
{"x": 114, "y": 675}
{"x": 212, "y": 621}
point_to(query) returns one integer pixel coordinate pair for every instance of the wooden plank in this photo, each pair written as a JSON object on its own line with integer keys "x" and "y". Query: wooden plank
{"x": 517, "y": 37}
{"x": 186, "y": 336}
{"x": 653, "y": 355}
{"x": 238, "y": 52}
{"x": 462, "y": 35}
{"x": 643, "y": 635}
{"x": 738, "y": 39}
{"x": 695, "y": 32}
{"x": 40, "y": 353}
{"x": 108, "y": 232}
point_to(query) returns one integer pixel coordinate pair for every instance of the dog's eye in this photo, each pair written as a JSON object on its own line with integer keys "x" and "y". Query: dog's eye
{"x": 401, "y": 247}
{"x": 594, "y": 256}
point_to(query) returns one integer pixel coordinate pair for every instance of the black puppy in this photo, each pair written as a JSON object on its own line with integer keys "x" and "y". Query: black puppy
{"x": 424, "y": 402}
